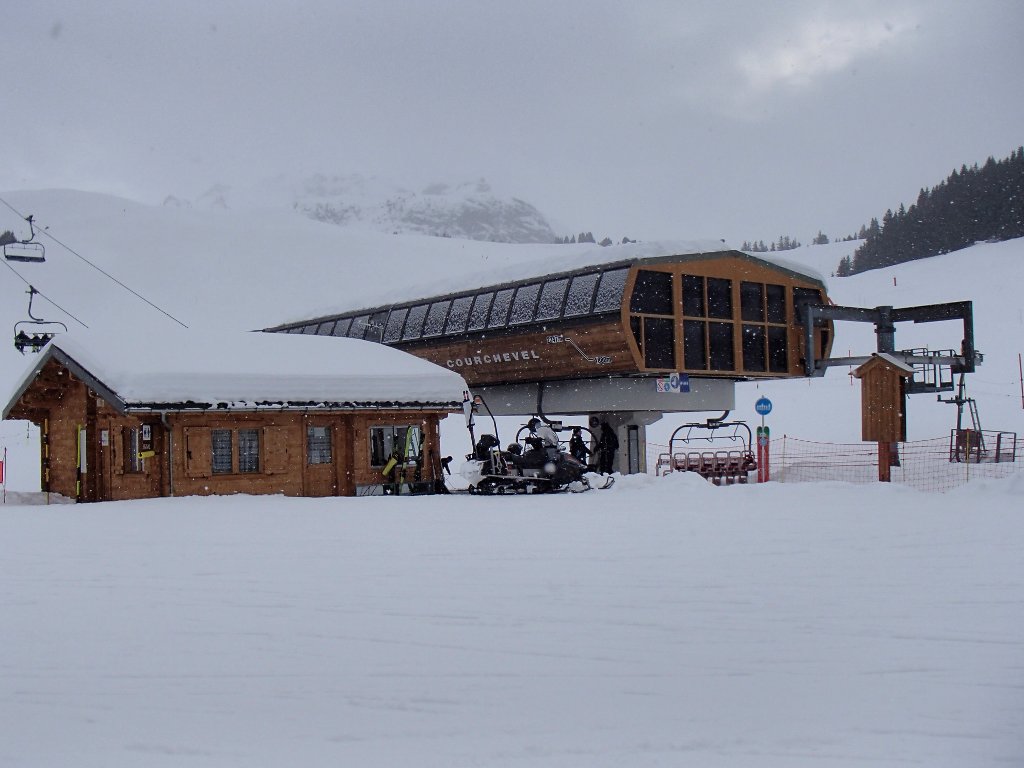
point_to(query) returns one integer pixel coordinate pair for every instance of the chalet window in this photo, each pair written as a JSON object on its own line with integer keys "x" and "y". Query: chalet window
{"x": 499, "y": 309}
{"x": 396, "y": 322}
{"x": 220, "y": 450}
{"x": 414, "y": 322}
{"x": 609, "y": 291}
{"x": 133, "y": 463}
{"x": 652, "y": 293}
{"x": 341, "y": 329}
{"x": 581, "y": 294}
{"x": 481, "y": 309}
{"x": 551, "y": 298}
{"x": 318, "y": 445}
{"x": 435, "y": 318}
{"x": 402, "y": 441}
{"x": 248, "y": 450}
{"x": 459, "y": 315}
{"x": 525, "y": 304}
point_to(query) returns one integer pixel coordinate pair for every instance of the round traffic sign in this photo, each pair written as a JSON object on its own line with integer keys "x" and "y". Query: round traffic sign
{"x": 763, "y": 406}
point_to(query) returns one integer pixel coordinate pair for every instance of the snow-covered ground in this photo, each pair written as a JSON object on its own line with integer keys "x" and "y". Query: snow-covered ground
{"x": 662, "y": 622}
{"x": 665, "y": 622}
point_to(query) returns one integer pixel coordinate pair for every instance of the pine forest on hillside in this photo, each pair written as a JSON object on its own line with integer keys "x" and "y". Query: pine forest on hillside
{"x": 972, "y": 205}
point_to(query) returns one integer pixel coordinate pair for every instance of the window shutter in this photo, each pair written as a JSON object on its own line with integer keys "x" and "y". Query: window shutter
{"x": 198, "y": 455}
{"x": 277, "y": 449}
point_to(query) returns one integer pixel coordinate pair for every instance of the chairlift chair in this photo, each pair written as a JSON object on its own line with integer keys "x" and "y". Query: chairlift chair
{"x": 25, "y": 250}
{"x": 35, "y": 333}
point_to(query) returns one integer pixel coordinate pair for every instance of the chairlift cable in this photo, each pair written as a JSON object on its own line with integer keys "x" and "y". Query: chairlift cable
{"x": 40, "y": 293}
{"x": 98, "y": 269}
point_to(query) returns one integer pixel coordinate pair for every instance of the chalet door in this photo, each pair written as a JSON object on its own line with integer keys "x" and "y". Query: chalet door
{"x": 321, "y": 476}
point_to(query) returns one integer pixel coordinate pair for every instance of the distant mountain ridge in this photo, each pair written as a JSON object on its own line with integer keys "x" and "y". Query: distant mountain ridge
{"x": 468, "y": 210}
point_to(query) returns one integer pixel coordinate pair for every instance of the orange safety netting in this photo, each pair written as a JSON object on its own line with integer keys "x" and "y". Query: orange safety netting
{"x": 938, "y": 464}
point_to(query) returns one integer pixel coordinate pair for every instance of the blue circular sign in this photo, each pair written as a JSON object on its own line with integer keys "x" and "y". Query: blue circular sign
{"x": 763, "y": 406}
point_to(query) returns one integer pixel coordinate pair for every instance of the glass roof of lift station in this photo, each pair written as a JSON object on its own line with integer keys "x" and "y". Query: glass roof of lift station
{"x": 579, "y": 294}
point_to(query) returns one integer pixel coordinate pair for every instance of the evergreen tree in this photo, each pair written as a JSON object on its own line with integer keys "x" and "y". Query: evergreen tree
{"x": 7, "y": 237}
{"x": 971, "y": 204}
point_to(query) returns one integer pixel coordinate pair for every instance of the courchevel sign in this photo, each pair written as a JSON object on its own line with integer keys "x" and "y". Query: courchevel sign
{"x": 496, "y": 358}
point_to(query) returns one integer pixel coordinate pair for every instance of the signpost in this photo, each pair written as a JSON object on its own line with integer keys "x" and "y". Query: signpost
{"x": 763, "y": 406}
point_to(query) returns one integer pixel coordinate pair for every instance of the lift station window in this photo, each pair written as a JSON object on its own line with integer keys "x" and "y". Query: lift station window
{"x": 481, "y": 309}
{"x": 652, "y": 320}
{"x": 375, "y": 326}
{"x": 776, "y": 303}
{"x": 342, "y": 326}
{"x": 719, "y": 298}
{"x": 414, "y": 322}
{"x": 695, "y": 350}
{"x": 396, "y": 322}
{"x": 499, "y": 309}
{"x": 581, "y": 294}
{"x": 525, "y": 304}
{"x": 435, "y": 318}
{"x": 609, "y": 291}
{"x": 693, "y": 296}
{"x": 720, "y": 345}
{"x": 358, "y": 327}
{"x": 326, "y": 328}
{"x": 652, "y": 293}
{"x": 707, "y": 345}
{"x": 458, "y": 316}
{"x": 551, "y": 299}
{"x": 752, "y": 301}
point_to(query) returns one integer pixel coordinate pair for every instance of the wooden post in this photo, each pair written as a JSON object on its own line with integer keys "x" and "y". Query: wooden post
{"x": 884, "y": 462}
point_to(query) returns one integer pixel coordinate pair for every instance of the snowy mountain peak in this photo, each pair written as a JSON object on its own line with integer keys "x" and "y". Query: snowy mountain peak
{"x": 468, "y": 210}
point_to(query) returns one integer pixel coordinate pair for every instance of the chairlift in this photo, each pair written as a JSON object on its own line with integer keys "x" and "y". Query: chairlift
{"x": 35, "y": 333}
{"x": 26, "y": 250}
{"x": 720, "y": 451}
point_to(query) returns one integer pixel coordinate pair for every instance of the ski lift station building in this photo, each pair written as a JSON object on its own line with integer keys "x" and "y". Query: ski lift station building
{"x": 624, "y": 334}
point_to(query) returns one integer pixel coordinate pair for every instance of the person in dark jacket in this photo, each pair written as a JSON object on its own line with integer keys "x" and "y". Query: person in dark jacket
{"x": 577, "y": 447}
{"x": 607, "y": 445}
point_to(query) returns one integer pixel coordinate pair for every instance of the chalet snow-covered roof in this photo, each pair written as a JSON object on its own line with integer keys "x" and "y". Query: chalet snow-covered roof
{"x": 181, "y": 369}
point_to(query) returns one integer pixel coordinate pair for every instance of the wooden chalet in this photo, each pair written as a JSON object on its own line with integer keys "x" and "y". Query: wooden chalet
{"x": 255, "y": 413}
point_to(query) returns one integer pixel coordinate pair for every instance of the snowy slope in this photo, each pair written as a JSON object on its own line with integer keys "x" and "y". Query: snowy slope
{"x": 227, "y": 270}
{"x": 664, "y": 622}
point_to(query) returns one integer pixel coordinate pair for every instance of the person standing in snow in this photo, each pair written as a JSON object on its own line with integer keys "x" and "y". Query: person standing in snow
{"x": 607, "y": 445}
{"x": 577, "y": 448}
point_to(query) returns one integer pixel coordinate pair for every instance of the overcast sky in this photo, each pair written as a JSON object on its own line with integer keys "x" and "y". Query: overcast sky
{"x": 742, "y": 120}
